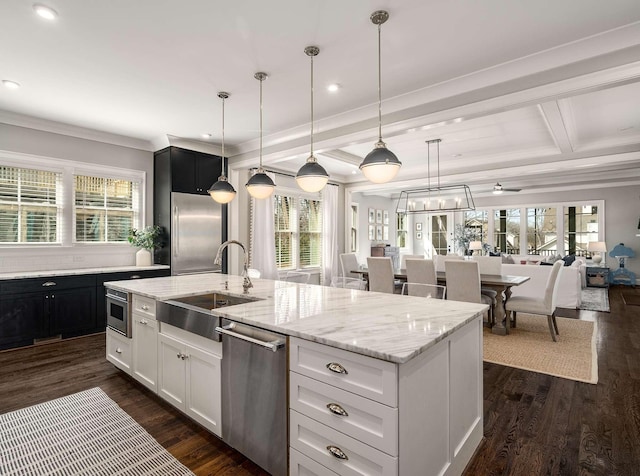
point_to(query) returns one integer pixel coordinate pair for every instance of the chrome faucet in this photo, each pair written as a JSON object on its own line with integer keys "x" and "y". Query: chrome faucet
{"x": 246, "y": 283}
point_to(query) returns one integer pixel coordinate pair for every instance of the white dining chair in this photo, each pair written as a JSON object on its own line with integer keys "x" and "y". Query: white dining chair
{"x": 463, "y": 284}
{"x": 297, "y": 277}
{"x": 433, "y": 291}
{"x": 348, "y": 283}
{"x": 380, "y": 275}
{"x": 489, "y": 265}
{"x": 545, "y": 306}
{"x": 349, "y": 262}
{"x": 439, "y": 260}
{"x": 421, "y": 271}
{"x": 404, "y": 258}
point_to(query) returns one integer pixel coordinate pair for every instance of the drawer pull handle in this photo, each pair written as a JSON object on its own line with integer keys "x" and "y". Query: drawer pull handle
{"x": 145, "y": 307}
{"x": 337, "y": 368}
{"x": 337, "y": 452}
{"x": 48, "y": 283}
{"x": 182, "y": 356}
{"x": 118, "y": 350}
{"x": 143, "y": 322}
{"x": 134, "y": 276}
{"x": 337, "y": 409}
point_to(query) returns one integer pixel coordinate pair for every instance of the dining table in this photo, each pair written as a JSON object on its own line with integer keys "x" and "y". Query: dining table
{"x": 501, "y": 283}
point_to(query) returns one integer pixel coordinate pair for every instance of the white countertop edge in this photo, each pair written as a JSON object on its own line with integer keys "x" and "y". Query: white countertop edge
{"x": 78, "y": 271}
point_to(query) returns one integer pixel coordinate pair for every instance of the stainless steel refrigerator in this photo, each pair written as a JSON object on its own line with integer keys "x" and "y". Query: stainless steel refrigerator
{"x": 196, "y": 233}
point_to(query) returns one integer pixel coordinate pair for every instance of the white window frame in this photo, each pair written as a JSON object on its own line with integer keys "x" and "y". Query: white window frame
{"x": 69, "y": 168}
{"x": 297, "y": 195}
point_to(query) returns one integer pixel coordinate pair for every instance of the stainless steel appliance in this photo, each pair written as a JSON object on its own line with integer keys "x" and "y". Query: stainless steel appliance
{"x": 196, "y": 233}
{"x": 118, "y": 312}
{"x": 254, "y": 394}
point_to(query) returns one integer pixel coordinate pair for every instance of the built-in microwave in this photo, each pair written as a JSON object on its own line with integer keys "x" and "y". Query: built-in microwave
{"x": 118, "y": 312}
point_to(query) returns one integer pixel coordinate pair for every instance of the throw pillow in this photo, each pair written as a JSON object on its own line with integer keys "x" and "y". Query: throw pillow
{"x": 507, "y": 259}
{"x": 491, "y": 253}
{"x": 569, "y": 259}
{"x": 545, "y": 263}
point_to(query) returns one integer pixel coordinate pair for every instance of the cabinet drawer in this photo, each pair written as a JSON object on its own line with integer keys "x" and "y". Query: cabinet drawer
{"x": 313, "y": 439}
{"x": 144, "y": 305}
{"x": 370, "y": 422}
{"x": 52, "y": 283}
{"x": 366, "y": 376}
{"x": 301, "y": 465}
{"x": 119, "y": 350}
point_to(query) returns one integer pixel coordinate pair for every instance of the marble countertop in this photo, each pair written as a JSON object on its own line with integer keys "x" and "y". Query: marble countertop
{"x": 76, "y": 271}
{"x": 385, "y": 326}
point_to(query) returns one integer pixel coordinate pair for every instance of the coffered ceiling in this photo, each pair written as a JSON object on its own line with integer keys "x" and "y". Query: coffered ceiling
{"x": 534, "y": 95}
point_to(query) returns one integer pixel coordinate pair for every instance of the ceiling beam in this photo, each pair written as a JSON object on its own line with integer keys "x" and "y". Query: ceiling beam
{"x": 553, "y": 118}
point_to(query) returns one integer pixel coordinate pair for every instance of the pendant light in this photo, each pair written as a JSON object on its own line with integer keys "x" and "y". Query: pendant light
{"x": 222, "y": 191}
{"x": 312, "y": 177}
{"x": 260, "y": 185}
{"x": 380, "y": 165}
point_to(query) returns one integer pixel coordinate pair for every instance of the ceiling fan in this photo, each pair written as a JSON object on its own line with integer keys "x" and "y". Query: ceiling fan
{"x": 498, "y": 189}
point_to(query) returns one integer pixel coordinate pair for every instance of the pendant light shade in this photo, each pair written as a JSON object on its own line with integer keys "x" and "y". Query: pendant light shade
{"x": 312, "y": 177}
{"x": 380, "y": 165}
{"x": 222, "y": 191}
{"x": 260, "y": 184}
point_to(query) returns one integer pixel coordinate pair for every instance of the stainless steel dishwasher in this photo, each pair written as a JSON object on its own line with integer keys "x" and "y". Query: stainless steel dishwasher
{"x": 254, "y": 394}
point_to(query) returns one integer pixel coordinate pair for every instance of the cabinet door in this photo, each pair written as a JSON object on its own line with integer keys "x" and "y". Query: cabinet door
{"x": 145, "y": 350}
{"x": 183, "y": 170}
{"x": 208, "y": 169}
{"x": 72, "y": 311}
{"x": 22, "y": 318}
{"x": 171, "y": 371}
{"x": 203, "y": 389}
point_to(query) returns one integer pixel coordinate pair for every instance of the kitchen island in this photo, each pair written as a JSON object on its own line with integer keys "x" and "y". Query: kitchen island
{"x": 411, "y": 402}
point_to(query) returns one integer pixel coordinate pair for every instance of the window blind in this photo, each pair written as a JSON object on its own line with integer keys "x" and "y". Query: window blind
{"x": 310, "y": 217}
{"x": 105, "y": 209}
{"x": 283, "y": 224}
{"x": 30, "y": 205}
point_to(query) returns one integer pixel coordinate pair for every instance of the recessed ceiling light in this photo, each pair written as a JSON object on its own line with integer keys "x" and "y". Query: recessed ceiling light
{"x": 333, "y": 88}
{"x": 10, "y": 84}
{"x": 206, "y": 136}
{"x": 45, "y": 12}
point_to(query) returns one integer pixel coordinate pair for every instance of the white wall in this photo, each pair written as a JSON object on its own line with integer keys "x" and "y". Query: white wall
{"x": 57, "y": 146}
{"x": 377, "y": 203}
{"x": 622, "y": 212}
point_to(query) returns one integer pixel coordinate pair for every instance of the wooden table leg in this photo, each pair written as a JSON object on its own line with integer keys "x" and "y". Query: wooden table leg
{"x": 501, "y": 325}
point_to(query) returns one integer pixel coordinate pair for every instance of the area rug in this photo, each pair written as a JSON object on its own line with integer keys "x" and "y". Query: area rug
{"x": 631, "y": 298}
{"x": 595, "y": 299}
{"x": 529, "y": 347}
{"x": 83, "y": 433}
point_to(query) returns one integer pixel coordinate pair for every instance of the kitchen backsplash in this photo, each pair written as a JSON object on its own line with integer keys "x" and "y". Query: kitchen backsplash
{"x": 12, "y": 261}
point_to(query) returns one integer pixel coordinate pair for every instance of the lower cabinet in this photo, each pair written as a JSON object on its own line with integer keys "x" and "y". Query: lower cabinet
{"x": 144, "y": 332}
{"x": 72, "y": 312}
{"x": 119, "y": 350}
{"x": 189, "y": 375}
{"x": 21, "y": 319}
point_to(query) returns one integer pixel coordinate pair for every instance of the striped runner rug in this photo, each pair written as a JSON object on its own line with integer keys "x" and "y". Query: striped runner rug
{"x": 86, "y": 433}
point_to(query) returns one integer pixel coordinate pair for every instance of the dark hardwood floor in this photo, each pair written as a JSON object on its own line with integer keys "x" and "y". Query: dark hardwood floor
{"x": 534, "y": 424}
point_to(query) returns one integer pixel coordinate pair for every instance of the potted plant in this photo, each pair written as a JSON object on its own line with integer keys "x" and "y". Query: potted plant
{"x": 147, "y": 239}
{"x": 462, "y": 236}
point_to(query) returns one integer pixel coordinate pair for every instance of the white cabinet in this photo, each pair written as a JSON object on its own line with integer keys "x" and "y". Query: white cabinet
{"x": 119, "y": 350}
{"x": 356, "y": 415}
{"x": 189, "y": 375}
{"x": 144, "y": 331}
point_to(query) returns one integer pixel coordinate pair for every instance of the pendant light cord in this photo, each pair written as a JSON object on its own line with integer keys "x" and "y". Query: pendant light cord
{"x": 223, "y": 127}
{"x": 261, "y": 123}
{"x": 379, "y": 85}
{"x": 311, "y": 105}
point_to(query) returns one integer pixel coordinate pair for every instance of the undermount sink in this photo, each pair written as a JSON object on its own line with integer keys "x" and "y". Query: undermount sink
{"x": 212, "y": 301}
{"x": 193, "y": 313}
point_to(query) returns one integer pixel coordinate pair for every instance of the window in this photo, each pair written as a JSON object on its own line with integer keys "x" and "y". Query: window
{"x": 477, "y": 220}
{"x": 30, "y": 205}
{"x": 541, "y": 231}
{"x": 353, "y": 237}
{"x": 298, "y": 229}
{"x": 402, "y": 227}
{"x": 507, "y": 230}
{"x": 580, "y": 227}
{"x": 105, "y": 209}
{"x": 439, "y": 234}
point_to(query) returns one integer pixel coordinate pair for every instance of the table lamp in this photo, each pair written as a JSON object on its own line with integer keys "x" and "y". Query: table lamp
{"x": 598, "y": 247}
{"x": 476, "y": 247}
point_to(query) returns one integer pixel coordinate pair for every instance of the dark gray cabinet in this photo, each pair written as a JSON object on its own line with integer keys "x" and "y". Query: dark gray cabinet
{"x": 66, "y": 306}
{"x": 186, "y": 171}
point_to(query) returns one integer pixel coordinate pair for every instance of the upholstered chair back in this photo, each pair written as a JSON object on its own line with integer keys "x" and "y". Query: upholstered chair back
{"x": 380, "y": 275}
{"x": 421, "y": 271}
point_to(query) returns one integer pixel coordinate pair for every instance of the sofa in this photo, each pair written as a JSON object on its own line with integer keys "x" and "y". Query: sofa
{"x": 569, "y": 287}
